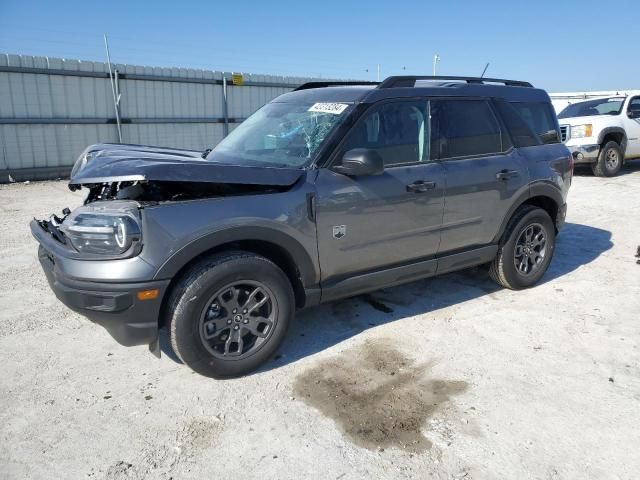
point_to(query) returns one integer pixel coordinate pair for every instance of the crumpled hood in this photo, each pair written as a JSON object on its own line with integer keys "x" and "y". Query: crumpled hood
{"x": 104, "y": 163}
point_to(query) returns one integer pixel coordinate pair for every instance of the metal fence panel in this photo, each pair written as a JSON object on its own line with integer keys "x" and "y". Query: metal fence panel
{"x": 52, "y": 108}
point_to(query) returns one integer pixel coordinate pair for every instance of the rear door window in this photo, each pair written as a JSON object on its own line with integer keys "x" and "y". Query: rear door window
{"x": 463, "y": 128}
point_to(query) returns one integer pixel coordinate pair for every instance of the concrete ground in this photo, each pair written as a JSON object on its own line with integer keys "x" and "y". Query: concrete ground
{"x": 449, "y": 377}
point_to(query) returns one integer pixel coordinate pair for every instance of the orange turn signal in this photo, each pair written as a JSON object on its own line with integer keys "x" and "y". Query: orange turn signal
{"x": 148, "y": 294}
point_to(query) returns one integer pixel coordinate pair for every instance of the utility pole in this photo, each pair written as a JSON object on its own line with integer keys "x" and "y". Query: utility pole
{"x": 225, "y": 104}
{"x": 436, "y": 59}
{"x": 114, "y": 89}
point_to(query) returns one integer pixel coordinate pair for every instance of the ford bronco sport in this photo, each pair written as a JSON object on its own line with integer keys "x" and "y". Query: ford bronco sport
{"x": 603, "y": 132}
{"x": 326, "y": 192}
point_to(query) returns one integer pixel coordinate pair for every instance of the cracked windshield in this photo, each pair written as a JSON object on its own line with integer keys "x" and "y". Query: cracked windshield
{"x": 280, "y": 135}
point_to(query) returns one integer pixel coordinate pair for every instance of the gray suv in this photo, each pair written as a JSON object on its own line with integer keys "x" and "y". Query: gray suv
{"x": 328, "y": 191}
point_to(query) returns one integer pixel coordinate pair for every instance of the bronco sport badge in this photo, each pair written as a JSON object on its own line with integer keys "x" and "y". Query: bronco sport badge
{"x": 339, "y": 231}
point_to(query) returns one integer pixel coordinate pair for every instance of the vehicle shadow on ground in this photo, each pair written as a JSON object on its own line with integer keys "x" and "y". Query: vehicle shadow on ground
{"x": 630, "y": 166}
{"x": 321, "y": 327}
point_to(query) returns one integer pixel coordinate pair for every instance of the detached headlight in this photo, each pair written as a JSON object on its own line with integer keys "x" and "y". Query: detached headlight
{"x": 104, "y": 228}
{"x": 579, "y": 131}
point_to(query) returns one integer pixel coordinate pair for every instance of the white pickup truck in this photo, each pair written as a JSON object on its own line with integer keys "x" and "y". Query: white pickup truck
{"x": 603, "y": 132}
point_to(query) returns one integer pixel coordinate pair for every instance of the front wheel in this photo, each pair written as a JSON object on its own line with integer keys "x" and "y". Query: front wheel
{"x": 609, "y": 161}
{"x": 526, "y": 249}
{"x": 229, "y": 313}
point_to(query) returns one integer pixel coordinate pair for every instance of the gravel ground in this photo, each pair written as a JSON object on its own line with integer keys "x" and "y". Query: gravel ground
{"x": 445, "y": 378}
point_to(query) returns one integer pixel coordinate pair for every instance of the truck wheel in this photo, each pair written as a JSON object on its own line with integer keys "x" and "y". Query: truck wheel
{"x": 229, "y": 313}
{"x": 526, "y": 249}
{"x": 609, "y": 161}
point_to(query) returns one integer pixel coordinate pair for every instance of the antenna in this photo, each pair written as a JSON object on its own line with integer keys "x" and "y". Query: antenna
{"x": 485, "y": 70}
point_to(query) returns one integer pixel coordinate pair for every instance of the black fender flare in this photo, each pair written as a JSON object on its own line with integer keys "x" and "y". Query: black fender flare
{"x": 308, "y": 271}
{"x": 607, "y": 130}
{"x": 539, "y": 189}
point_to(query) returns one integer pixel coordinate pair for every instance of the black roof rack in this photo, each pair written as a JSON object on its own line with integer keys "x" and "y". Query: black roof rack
{"x": 308, "y": 85}
{"x": 410, "y": 81}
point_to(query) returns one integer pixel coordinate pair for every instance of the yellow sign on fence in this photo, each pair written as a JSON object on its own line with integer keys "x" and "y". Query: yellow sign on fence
{"x": 237, "y": 79}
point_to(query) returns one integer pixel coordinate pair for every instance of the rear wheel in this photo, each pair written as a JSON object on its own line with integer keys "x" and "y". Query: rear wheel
{"x": 526, "y": 249}
{"x": 229, "y": 313}
{"x": 609, "y": 160}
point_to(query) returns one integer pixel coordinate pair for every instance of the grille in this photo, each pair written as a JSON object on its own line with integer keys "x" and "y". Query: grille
{"x": 564, "y": 132}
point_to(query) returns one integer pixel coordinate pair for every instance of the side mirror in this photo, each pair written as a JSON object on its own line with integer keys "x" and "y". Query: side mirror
{"x": 633, "y": 114}
{"x": 359, "y": 162}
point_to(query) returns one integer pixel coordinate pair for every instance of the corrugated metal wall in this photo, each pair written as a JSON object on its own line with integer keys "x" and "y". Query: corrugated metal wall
{"x": 51, "y": 109}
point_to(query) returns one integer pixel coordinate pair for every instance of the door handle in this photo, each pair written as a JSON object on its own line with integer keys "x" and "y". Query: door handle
{"x": 421, "y": 186}
{"x": 507, "y": 174}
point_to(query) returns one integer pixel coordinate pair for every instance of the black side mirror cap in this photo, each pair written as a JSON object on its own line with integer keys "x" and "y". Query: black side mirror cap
{"x": 360, "y": 162}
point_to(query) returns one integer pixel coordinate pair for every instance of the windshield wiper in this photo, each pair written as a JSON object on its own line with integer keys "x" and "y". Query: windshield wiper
{"x": 206, "y": 152}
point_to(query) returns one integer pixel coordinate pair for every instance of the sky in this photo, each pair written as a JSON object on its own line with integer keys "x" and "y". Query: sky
{"x": 561, "y": 45}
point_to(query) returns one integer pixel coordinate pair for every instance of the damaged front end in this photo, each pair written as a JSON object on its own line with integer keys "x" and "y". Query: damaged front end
{"x": 154, "y": 174}
{"x": 123, "y": 179}
{"x": 93, "y": 256}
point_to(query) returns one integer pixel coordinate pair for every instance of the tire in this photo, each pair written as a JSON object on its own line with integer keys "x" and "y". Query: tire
{"x": 505, "y": 269}
{"x": 201, "y": 318}
{"x": 609, "y": 160}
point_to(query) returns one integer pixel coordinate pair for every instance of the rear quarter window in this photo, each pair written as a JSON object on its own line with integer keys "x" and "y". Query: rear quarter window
{"x": 520, "y": 132}
{"x": 540, "y": 119}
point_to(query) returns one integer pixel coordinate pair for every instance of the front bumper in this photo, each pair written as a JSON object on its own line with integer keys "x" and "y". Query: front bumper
{"x": 584, "y": 153}
{"x": 113, "y": 306}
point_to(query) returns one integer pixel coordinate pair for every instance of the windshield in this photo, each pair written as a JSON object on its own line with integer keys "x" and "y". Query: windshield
{"x": 601, "y": 106}
{"x": 280, "y": 135}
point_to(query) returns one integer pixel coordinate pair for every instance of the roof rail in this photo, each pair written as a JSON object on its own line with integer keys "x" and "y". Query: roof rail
{"x": 308, "y": 85}
{"x": 410, "y": 81}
